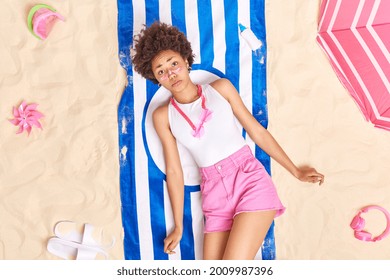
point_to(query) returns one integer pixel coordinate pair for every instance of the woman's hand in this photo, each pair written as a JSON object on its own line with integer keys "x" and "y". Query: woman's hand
{"x": 310, "y": 175}
{"x": 172, "y": 240}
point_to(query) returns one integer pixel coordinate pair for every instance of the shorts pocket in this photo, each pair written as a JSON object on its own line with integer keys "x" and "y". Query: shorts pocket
{"x": 204, "y": 187}
{"x": 213, "y": 197}
{"x": 251, "y": 165}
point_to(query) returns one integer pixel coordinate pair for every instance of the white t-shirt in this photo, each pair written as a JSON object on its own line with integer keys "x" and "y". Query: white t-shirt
{"x": 222, "y": 136}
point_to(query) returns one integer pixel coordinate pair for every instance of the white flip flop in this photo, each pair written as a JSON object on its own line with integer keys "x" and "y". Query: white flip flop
{"x": 72, "y": 244}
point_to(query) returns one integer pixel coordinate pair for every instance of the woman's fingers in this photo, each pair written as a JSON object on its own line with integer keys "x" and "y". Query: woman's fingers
{"x": 320, "y": 177}
{"x": 316, "y": 179}
{"x": 170, "y": 245}
{"x": 312, "y": 176}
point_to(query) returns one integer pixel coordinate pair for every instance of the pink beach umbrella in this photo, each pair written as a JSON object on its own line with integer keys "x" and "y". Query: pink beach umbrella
{"x": 355, "y": 35}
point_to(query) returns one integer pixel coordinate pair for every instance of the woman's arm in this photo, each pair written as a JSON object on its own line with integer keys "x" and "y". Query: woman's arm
{"x": 261, "y": 136}
{"x": 174, "y": 176}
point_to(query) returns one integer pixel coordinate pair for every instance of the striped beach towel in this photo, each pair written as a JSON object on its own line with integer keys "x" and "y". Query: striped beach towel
{"x": 228, "y": 39}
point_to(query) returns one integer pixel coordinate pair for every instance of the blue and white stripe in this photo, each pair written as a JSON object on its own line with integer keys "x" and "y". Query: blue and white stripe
{"x": 212, "y": 28}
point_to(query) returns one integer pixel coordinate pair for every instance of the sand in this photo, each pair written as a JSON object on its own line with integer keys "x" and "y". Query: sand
{"x": 317, "y": 123}
{"x": 70, "y": 171}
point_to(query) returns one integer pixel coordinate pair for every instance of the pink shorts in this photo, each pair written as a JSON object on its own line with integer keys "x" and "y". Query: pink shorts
{"x": 236, "y": 184}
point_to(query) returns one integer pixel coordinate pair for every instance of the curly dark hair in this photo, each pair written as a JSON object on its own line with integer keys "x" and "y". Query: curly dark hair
{"x": 154, "y": 39}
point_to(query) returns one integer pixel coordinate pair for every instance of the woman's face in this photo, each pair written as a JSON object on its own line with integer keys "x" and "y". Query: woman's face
{"x": 170, "y": 70}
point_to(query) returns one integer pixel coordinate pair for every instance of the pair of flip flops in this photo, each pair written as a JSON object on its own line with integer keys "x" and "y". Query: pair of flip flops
{"x": 40, "y": 20}
{"x": 72, "y": 243}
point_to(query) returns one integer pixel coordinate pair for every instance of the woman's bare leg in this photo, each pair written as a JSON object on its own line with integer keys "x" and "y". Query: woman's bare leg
{"x": 247, "y": 234}
{"x": 214, "y": 244}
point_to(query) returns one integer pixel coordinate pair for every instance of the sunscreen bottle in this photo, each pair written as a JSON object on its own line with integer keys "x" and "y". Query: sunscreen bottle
{"x": 250, "y": 38}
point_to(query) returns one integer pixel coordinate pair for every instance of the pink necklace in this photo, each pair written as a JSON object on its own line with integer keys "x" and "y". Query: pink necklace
{"x": 198, "y": 130}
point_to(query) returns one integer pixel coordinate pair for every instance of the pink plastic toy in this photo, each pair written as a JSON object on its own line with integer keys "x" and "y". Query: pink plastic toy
{"x": 26, "y": 116}
{"x": 41, "y": 19}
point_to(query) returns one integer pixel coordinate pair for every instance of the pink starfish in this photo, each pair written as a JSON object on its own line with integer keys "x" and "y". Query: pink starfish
{"x": 26, "y": 116}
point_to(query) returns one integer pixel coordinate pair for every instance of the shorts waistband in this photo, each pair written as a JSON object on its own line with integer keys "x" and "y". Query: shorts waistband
{"x": 224, "y": 167}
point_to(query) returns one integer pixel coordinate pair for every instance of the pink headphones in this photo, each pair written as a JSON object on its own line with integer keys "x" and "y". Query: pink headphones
{"x": 358, "y": 224}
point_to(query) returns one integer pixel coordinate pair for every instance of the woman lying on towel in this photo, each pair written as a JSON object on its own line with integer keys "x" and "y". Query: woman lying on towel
{"x": 239, "y": 199}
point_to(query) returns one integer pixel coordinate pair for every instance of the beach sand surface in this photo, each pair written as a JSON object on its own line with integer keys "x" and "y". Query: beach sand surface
{"x": 69, "y": 170}
{"x": 317, "y": 122}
